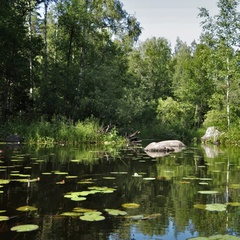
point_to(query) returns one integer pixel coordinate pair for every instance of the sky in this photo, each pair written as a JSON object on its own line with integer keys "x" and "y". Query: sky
{"x": 170, "y": 18}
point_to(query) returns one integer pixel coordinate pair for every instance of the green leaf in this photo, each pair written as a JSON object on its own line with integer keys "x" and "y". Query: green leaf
{"x": 25, "y": 228}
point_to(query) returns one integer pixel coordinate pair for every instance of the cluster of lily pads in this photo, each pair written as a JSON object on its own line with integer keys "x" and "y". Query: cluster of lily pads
{"x": 91, "y": 215}
{"x": 218, "y": 207}
{"x": 21, "y": 227}
{"x": 81, "y": 195}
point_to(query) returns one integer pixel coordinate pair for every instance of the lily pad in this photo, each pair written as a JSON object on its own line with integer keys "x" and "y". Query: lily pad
{"x": 234, "y": 204}
{"x": 200, "y": 206}
{"x": 71, "y": 214}
{"x": 149, "y": 179}
{"x": 92, "y": 216}
{"x": 109, "y": 178}
{"x": 46, "y": 173}
{"x": 4, "y": 218}
{"x": 121, "y": 173}
{"x": 75, "y": 196}
{"x": 234, "y": 186}
{"x": 78, "y": 199}
{"x": 27, "y": 209}
{"x": 131, "y": 205}
{"x": 83, "y": 210}
{"x": 216, "y": 207}
{"x": 208, "y": 192}
{"x": 4, "y": 181}
{"x": 96, "y": 189}
{"x": 60, "y": 173}
{"x": 25, "y": 228}
{"x": 203, "y": 183}
{"x": 115, "y": 212}
{"x": 71, "y": 177}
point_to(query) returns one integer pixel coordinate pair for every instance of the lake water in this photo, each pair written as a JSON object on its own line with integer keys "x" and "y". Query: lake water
{"x": 195, "y": 192}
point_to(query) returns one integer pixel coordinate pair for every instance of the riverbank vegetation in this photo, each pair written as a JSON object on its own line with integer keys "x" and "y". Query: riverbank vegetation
{"x": 65, "y": 62}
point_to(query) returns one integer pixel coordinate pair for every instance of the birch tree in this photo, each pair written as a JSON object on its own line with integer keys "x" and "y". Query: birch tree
{"x": 222, "y": 33}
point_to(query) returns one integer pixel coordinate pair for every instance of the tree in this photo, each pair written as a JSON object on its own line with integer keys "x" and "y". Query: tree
{"x": 191, "y": 84}
{"x": 86, "y": 42}
{"x": 18, "y": 50}
{"x": 221, "y": 34}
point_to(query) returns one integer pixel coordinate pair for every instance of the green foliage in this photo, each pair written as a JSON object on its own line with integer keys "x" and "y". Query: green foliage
{"x": 62, "y": 130}
{"x": 175, "y": 116}
{"x": 78, "y": 60}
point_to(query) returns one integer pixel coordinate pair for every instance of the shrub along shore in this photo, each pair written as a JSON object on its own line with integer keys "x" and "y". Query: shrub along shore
{"x": 62, "y": 131}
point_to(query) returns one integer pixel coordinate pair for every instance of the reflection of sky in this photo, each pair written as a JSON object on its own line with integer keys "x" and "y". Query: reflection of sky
{"x": 169, "y": 19}
{"x": 171, "y": 233}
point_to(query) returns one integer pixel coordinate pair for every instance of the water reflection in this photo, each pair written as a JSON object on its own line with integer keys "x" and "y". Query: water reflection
{"x": 168, "y": 190}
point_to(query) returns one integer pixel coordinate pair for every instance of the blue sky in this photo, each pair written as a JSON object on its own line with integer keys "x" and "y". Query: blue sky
{"x": 169, "y": 18}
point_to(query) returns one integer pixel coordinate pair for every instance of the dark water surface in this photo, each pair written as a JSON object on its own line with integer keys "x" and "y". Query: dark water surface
{"x": 172, "y": 192}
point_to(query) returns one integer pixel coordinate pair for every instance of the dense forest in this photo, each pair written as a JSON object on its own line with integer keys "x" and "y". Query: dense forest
{"x": 77, "y": 60}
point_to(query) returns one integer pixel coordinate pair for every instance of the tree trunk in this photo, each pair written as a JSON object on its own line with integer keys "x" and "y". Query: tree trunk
{"x": 227, "y": 94}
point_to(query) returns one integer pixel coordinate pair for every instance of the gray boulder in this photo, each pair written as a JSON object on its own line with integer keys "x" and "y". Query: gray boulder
{"x": 165, "y": 146}
{"x": 211, "y": 135}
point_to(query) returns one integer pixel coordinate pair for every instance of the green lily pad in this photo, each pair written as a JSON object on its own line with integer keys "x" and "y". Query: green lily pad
{"x": 92, "y": 216}
{"x": 71, "y": 214}
{"x": 85, "y": 182}
{"x": 60, "y": 173}
{"x": 208, "y": 192}
{"x": 96, "y": 189}
{"x": 24, "y": 175}
{"x": 71, "y": 177}
{"x": 203, "y": 183}
{"x": 234, "y": 186}
{"x": 83, "y": 210}
{"x": 40, "y": 161}
{"x": 205, "y": 179}
{"x": 216, "y": 207}
{"x": 25, "y": 228}
{"x": 85, "y": 193}
{"x": 4, "y": 218}
{"x": 78, "y": 199}
{"x": 109, "y": 178}
{"x": 131, "y": 205}
{"x": 121, "y": 173}
{"x": 149, "y": 179}
{"x": 4, "y": 181}
{"x": 27, "y": 208}
{"x": 115, "y": 212}
{"x": 76, "y": 160}
{"x": 234, "y": 204}
{"x": 200, "y": 206}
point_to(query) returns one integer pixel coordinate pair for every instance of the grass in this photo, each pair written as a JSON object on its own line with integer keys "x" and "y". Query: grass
{"x": 61, "y": 131}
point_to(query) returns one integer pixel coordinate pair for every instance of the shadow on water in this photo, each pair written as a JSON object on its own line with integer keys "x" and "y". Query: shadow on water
{"x": 169, "y": 196}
